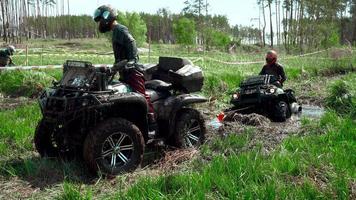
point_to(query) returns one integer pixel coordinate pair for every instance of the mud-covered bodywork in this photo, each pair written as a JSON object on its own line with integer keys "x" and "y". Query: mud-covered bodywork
{"x": 263, "y": 94}
{"x": 87, "y": 100}
{"x": 80, "y": 101}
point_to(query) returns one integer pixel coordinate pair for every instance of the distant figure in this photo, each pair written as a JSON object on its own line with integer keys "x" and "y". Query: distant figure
{"x": 273, "y": 68}
{"x": 5, "y": 56}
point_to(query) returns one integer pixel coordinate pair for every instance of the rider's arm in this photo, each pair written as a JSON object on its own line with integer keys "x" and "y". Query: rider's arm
{"x": 283, "y": 76}
{"x": 262, "y": 72}
{"x": 131, "y": 48}
{"x": 10, "y": 61}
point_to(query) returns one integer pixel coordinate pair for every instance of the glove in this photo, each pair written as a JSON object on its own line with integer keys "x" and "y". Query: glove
{"x": 120, "y": 66}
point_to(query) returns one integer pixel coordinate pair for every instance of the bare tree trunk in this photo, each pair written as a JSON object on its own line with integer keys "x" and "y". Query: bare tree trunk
{"x": 270, "y": 22}
{"x": 3, "y": 21}
{"x": 285, "y": 29}
{"x": 301, "y": 26}
{"x": 264, "y": 23}
{"x": 277, "y": 24}
{"x": 290, "y": 31}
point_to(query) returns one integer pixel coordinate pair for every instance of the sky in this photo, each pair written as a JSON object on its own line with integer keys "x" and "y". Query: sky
{"x": 241, "y": 12}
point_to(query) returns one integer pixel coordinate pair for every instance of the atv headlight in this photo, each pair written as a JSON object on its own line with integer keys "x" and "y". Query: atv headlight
{"x": 271, "y": 90}
{"x": 235, "y": 96}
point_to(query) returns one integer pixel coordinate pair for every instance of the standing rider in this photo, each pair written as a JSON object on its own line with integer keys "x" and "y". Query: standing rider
{"x": 124, "y": 47}
{"x": 273, "y": 68}
{"x": 5, "y": 56}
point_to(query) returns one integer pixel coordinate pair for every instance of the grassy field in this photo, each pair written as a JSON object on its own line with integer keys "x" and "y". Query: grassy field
{"x": 317, "y": 162}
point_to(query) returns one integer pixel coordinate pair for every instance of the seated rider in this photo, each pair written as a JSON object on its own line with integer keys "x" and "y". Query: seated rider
{"x": 5, "y": 56}
{"x": 273, "y": 68}
{"x": 124, "y": 47}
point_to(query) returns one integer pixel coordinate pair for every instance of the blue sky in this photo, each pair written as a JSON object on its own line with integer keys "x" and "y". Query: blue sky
{"x": 237, "y": 11}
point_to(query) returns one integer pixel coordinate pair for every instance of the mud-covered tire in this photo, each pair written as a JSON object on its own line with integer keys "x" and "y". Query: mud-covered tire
{"x": 44, "y": 140}
{"x": 190, "y": 129}
{"x": 114, "y": 147}
{"x": 280, "y": 112}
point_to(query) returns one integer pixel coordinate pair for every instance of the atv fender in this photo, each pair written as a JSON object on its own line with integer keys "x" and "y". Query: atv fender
{"x": 130, "y": 106}
{"x": 174, "y": 104}
{"x": 283, "y": 97}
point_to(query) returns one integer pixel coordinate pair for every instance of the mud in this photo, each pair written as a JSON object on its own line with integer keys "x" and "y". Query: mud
{"x": 311, "y": 91}
{"x": 266, "y": 134}
{"x": 16, "y": 189}
{"x": 250, "y": 119}
{"x": 7, "y": 103}
{"x": 173, "y": 159}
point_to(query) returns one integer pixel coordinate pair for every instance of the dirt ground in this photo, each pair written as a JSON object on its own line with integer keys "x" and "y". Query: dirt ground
{"x": 311, "y": 91}
{"x": 266, "y": 134}
{"x": 7, "y": 103}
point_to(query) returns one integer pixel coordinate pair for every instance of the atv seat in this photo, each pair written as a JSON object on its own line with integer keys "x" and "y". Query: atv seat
{"x": 156, "y": 95}
{"x": 158, "y": 85}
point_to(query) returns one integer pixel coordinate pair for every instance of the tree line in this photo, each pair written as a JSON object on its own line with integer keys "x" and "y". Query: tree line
{"x": 305, "y": 24}
{"x": 293, "y": 24}
{"x": 31, "y": 19}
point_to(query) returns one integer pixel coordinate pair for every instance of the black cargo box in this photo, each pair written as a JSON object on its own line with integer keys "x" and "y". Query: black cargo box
{"x": 181, "y": 73}
{"x": 148, "y": 70}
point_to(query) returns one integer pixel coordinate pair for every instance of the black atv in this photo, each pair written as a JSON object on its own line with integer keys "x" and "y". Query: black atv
{"x": 93, "y": 116}
{"x": 264, "y": 95}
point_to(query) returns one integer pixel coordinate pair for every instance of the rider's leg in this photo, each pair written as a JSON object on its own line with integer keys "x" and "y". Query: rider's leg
{"x": 137, "y": 82}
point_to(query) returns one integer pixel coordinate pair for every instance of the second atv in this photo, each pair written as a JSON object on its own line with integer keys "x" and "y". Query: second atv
{"x": 90, "y": 114}
{"x": 263, "y": 95}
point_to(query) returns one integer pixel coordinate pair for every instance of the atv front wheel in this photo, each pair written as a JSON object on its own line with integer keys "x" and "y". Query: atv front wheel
{"x": 114, "y": 147}
{"x": 190, "y": 129}
{"x": 45, "y": 142}
{"x": 281, "y": 112}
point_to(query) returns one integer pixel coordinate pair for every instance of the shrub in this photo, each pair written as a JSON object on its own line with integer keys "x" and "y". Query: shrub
{"x": 24, "y": 83}
{"x": 340, "y": 98}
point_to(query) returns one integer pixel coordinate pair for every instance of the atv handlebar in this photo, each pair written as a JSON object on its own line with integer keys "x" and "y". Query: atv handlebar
{"x": 119, "y": 66}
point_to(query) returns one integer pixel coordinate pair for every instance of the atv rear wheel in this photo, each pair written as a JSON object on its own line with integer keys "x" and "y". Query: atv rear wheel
{"x": 45, "y": 142}
{"x": 190, "y": 129}
{"x": 114, "y": 147}
{"x": 281, "y": 112}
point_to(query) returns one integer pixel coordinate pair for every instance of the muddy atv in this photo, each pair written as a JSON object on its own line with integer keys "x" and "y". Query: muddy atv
{"x": 99, "y": 119}
{"x": 263, "y": 95}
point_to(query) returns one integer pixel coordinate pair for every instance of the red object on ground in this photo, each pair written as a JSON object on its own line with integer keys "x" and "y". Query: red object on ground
{"x": 221, "y": 116}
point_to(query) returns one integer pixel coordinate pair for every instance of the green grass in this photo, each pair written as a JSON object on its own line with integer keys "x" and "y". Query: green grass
{"x": 72, "y": 192}
{"x": 219, "y": 77}
{"x": 319, "y": 165}
{"x": 17, "y": 129}
{"x": 291, "y": 172}
{"x": 342, "y": 96}
{"x": 27, "y": 83}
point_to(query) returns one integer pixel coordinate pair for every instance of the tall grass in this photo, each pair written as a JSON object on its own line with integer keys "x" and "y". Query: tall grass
{"x": 72, "y": 192}
{"x": 26, "y": 83}
{"x": 17, "y": 129}
{"x": 320, "y": 165}
{"x": 308, "y": 167}
{"x": 342, "y": 96}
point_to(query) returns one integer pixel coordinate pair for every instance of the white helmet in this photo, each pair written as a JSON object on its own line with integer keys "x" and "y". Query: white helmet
{"x": 11, "y": 50}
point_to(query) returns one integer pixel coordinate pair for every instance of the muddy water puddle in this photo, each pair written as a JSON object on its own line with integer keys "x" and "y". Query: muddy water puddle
{"x": 267, "y": 133}
{"x": 311, "y": 111}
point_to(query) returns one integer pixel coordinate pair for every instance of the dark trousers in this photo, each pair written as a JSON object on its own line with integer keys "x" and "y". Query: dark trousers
{"x": 4, "y": 61}
{"x": 136, "y": 80}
